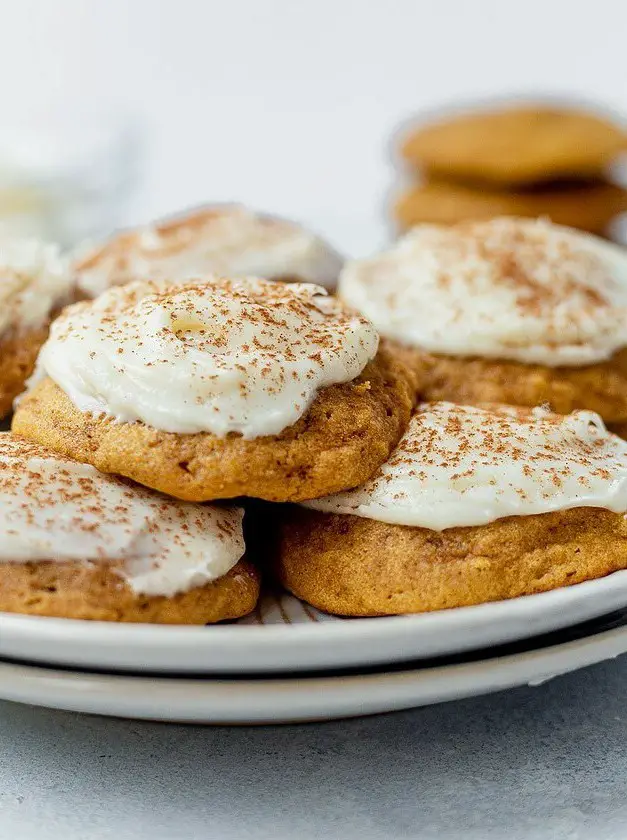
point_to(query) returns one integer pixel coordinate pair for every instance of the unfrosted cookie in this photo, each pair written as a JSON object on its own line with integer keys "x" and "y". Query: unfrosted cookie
{"x": 34, "y": 284}
{"x": 230, "y": 240}
{"x": 474, "y": 505}
{"x": 220, "y": 389}
{"x": 80, "y": 544}
{"x": 510, "y": 311}
{"x": 588, "y": 206}
{"x": 516, "y": 145}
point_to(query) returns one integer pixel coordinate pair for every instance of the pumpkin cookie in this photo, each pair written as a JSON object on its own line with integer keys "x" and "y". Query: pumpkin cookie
{"x": 220, "y": 388}
{"x": 510, "y": 311}
{"x": 587, "y": 206}
{"x": 229, "y": 240}
{"x": 474, "y": 505}
{"x": 516, "y": 145}
{"x": 34, "y": 283}
{"x": 80, "y": 544}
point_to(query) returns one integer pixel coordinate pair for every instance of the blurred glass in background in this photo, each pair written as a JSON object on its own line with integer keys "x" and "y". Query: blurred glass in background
{"x": 67, "y": 175}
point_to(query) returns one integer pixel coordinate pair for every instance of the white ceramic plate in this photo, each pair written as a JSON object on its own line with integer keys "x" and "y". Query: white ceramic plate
{"x": 307, "y": 698}
{"x": 286, "y": 635}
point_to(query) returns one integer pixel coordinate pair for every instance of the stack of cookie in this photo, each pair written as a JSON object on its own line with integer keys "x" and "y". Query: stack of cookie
{"x": 491, "y": 493}
{"x": 204, "y": 390}
{"x": 197, "y": 389}
{"x": 166, "y": 403}
{"x": 531, "y": 161}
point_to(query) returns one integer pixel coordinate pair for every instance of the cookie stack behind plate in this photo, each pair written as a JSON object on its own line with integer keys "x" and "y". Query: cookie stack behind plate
{"x": 531, "y": 160}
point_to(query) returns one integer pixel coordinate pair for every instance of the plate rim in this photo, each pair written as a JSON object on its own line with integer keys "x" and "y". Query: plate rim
{"x": 91, "y": 692}
{"x": 316, "y": 645}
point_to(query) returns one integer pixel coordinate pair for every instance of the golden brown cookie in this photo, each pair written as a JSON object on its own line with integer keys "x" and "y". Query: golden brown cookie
{"x": 34, "y": 286}
{"x": 506, "y": 311}
{"x": 77, "y": 543}
{"x": 345, "y": 435}
{"x": 587, "y": 206}
{"x": 18, "y": 353}
{"x": 619, "y": 429}
{"x": 348, "y": 565}
{"x": 95, "y": 592}
{"x": 475, "y": 504}
{"x": 516, "y": 145}
{"x": 600, "y": 387}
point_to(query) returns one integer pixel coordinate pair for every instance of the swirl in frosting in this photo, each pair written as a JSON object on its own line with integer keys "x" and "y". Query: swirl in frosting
{"x": 213, "y": 355}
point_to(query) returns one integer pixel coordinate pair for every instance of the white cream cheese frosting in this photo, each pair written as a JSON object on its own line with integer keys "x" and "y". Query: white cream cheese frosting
{"x": 58, "y": 510}
{"x": 508, "y": 288}
{"x": 230, "y": 240}
{"x": 34, "y": 279}
{"x": 214, "y": 355}
{"x": 460, "y": 466}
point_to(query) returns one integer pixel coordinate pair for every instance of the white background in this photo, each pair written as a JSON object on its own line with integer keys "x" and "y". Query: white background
{"x": 289, "y": 104}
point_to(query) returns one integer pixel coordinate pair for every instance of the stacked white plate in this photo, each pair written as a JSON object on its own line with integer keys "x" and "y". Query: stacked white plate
{"x": 288, "y": 662}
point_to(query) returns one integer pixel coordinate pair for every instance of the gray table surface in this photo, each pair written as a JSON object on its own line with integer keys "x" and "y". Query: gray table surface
{"x": 547, "y": 762}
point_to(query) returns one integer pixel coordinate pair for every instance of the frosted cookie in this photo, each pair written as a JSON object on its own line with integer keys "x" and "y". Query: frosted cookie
{"x": 220, "y": 388}
{"x": 229, "y": 240}
{"x": 510, "y": 311}
{"x": 474, "y": 505}
{"x": 34, "y": 283}
{"x": 516, "y": 145}
{"x": 587, "y": 206}
{"x": 80, "y": 544}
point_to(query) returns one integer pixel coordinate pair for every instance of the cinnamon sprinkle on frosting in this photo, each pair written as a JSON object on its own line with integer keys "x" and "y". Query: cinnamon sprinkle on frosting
{"x": 460, "y": 465}
{"x": 229, "y": 239}
{"x": 214, "y": 355}
{"x": 34, "y": 280}
{"x": 508, "y": 288}
{"x": 54, "y": 509}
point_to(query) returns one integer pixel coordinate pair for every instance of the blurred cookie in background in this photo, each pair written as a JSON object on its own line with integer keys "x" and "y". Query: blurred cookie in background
{"x": 588, "y": 206}
{"x": 516, "y": 145}
{"x": 229, "y": 239}
{"x": 519, "y": 160}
